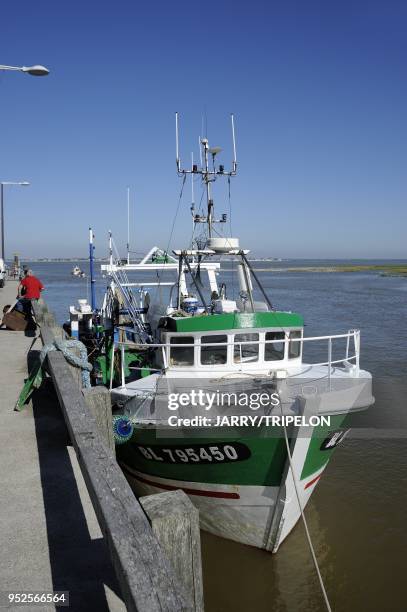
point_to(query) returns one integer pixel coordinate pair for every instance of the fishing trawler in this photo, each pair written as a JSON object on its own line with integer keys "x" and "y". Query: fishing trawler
{"x": 212, "y": 390}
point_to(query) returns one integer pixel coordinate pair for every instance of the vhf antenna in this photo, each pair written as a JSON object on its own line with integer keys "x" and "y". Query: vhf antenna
{"x": 128, "y": 225}
{"x": 192, "y": 195}
{"x": 208, "y": 176}
{"x": 177, "y": 145}
{"x": 234, "y": 163}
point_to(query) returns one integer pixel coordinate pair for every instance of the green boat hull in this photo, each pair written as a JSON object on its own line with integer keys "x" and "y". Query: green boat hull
{"x": 239, "y": 479}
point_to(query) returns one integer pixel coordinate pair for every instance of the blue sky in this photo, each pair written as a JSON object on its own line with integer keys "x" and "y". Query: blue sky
{"x": 319, "y": 93}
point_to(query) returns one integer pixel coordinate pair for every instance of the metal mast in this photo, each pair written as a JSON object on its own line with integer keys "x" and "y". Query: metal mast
{"x": 128, "y": 225}
{"x": 207, "y": 180}
{"x": 208, "y": 174}
{"x": 91, "y": 269}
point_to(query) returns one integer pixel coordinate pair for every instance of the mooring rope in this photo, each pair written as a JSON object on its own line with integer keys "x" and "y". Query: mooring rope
{"x": 311, "y": 547}
{"x": 80, "y": 361}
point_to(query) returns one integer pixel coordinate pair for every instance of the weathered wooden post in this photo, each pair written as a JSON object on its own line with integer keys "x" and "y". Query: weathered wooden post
{"x": 39, "y": 309}
{"x": 175, "y": 523}
{"x": 75, "y": 371}
{"x": 99, "y": 403}
{"x": 42, "y": 305}
{"x": 48, "y": 319}
{"x": 58, "y": 332}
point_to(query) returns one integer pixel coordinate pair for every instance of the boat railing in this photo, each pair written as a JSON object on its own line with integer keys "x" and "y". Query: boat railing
{"x": 351, "y": 357}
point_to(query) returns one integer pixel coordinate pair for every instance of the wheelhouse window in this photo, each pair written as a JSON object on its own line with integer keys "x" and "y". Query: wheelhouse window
{"x": 275, "y": 351}
{"x": 246, "y": 353}
{"x": 182, "y": 355}
{"x": 294, "y": 348}
{"x": 214, "y": 355}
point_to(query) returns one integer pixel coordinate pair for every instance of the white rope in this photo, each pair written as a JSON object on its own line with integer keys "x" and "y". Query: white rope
{"x": 311, "y": 547}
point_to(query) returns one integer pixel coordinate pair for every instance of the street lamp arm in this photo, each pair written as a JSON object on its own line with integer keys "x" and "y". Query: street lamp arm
{"x": 9, "y": 67}
{"x": 21, "y": 183}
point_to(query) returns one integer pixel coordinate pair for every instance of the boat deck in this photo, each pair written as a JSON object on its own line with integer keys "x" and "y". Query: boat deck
{"x": 50, "y": 539}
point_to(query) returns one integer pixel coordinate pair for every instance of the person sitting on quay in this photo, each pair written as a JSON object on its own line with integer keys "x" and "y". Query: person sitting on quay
{"x": 29, "y": 290}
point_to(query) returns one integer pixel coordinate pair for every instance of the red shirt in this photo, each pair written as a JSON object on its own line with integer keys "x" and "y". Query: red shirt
{"x": 32, "y": 286}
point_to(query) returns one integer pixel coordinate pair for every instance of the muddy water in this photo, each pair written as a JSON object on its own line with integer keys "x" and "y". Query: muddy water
{"x": 358, "y": 513}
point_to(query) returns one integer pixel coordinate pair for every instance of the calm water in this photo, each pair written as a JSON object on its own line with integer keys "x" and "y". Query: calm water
{"x": 358, "y": 513}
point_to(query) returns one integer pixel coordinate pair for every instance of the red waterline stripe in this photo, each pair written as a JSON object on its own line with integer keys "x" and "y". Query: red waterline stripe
{"x": 200, "y": 492}
{"x": 311, "y": 482}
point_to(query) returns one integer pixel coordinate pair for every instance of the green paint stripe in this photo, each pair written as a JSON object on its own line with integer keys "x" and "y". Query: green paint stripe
{"x": 316, "y": 458}
{"x": 264, "y": 467}
{"x": 239, "y": 320}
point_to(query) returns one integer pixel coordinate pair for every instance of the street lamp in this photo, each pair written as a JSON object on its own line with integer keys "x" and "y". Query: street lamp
{"x": 36, "y": 70}
{"x": 33, "y": 70}
{"x": 2, "y": 183}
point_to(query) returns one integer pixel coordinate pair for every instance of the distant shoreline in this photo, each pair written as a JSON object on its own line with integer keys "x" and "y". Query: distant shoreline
{"x": 384, "y": 270}
{"x": 61, "y": 260}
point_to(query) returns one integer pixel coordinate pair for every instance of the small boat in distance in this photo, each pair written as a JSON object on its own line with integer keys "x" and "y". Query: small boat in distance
{"x": 76, "y": 271}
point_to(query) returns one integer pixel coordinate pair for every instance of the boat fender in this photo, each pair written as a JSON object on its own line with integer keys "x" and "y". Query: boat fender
{"x": 122, "y": 429}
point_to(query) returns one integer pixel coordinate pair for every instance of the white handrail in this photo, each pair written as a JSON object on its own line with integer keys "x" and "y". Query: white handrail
{"x": 260, "y": 342}
{"x": 355, "y": 334}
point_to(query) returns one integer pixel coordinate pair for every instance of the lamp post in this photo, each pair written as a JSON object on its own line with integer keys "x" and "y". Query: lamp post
{"x": 2, "y": 183}
{"x": 36, "y": 70}
{"x": 33, "y": 70}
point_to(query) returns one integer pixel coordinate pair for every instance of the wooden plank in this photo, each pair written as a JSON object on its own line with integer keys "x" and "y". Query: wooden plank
{"x": 47, "y": 335}
{"x": 76, "y": 372}
{"x": 39, "y": 308}
{"x": 175, "y": 522}
{"x": 99, "y": 403}
{"x": 42, "y": 305}
{"x": 48, "y": 319}
{"x": 58, "y": 332}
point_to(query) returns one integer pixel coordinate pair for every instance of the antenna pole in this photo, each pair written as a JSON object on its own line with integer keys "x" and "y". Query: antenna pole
{"x": 177, "y": 144}
{"x": 128, "y": 225}
{"x": 234, "y": 143}
{"x": 208, "y": 187}
{"x": 110, "y": 248}
{"x": 92, "y": 277}
{"x": 192, "y": 179}
{"x": 192, "y": 195}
